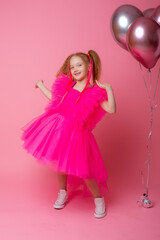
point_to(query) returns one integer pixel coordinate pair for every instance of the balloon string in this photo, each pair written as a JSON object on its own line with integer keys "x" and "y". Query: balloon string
{"x": 152, "y": 108}
{"x": 156, "y": 84}
{"x": 144, "y": 79}
{"x": 150, "y": 78}
{"x": 150, "y": 133}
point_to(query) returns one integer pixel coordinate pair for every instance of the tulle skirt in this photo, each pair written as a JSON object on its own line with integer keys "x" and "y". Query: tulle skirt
{"x": 52, "y": 139}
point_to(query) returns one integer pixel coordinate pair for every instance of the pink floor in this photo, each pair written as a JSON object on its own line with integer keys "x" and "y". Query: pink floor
{"x": 26, "y": 212}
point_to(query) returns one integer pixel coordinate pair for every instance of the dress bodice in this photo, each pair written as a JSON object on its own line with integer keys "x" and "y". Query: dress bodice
{"x": 87, "y": 112}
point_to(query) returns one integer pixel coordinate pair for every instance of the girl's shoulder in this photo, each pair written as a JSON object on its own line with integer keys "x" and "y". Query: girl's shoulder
{"x": 90, "y": 111}
{"x": 90, "y": 101}
{"x": 96, "y": 94}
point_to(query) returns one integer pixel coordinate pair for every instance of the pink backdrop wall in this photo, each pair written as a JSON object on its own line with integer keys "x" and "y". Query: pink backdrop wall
{"x": 36, "y": 37}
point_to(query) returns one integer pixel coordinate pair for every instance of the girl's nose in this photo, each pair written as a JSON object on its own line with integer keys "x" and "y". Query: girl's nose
{"x": 76, "y": 69}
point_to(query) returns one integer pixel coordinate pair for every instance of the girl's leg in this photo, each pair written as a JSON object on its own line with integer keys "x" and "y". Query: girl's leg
{"x": 62, "y": 179}
{"x": 62, "y": 195}
{"x": 93, "y": 187}
{"x": 100, "y": 209}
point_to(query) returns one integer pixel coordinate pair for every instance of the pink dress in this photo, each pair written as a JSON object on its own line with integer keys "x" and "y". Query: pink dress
{"x": 62, "y": 136}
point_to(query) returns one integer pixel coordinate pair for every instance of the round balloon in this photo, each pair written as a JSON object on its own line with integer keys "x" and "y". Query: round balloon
{"x": 156, "y": 14}
{"x": 148, "y": 12}
{"x": 143, "y": 41}
{"x": 121, "y": 20}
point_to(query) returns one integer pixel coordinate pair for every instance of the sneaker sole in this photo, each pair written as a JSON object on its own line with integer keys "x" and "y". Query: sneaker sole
{"x": 60, "y": 206}
{"x": 100, "y": 215}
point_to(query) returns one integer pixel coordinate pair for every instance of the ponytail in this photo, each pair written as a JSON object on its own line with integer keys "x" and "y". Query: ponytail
{"x": 96, "y": 65}
{"x": 65, "y": 67}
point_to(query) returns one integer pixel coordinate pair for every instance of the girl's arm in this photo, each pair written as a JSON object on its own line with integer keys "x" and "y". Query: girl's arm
{"x": 110, "y": 105}
{"x": 43, "y": 89}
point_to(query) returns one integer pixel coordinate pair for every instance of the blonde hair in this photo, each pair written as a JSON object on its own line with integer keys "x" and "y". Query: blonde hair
{"x": 96, "y": 72}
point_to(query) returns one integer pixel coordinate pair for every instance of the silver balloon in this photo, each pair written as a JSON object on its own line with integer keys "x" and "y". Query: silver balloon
{"x": 121, "y": 20}
{"x": 148, "y": 12}
{"x": 143, "y": 41}
{"x": 156, "y": 14}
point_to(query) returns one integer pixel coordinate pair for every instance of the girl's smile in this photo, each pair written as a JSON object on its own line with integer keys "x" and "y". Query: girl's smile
{"x": 78, "y": 68}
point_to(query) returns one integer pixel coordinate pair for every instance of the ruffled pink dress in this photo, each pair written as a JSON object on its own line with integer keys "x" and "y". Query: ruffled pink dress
{"x": 62, "y": 136}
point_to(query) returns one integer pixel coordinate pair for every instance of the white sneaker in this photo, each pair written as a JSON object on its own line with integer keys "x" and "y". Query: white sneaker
{"x": 100, "y": 210}
{"x": 61, "y": 200}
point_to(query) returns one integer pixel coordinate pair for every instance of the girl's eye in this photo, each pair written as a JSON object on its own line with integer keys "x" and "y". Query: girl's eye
{"x": 79, "y": 65}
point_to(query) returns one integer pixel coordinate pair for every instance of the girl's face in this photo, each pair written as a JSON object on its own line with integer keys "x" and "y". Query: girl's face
{"x": 79, "y": 68}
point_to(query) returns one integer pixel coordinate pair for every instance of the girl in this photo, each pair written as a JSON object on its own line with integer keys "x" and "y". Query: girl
{"x": 62, "y": 136}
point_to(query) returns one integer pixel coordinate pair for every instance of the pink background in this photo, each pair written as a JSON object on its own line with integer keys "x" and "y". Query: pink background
{"x": 36, "y": 37}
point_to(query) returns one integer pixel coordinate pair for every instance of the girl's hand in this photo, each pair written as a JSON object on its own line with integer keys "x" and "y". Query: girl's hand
{"x": 38, "y": 83}
{"x": 105, "y": 86}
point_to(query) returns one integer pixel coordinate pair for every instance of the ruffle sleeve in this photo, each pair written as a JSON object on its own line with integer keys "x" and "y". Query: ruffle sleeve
{"x": 58, "y": 90}
{"x": 90, "y": 110}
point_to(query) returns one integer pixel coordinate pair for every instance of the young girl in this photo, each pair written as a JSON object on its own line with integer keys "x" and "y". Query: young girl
{"x": 62, "y": 136}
